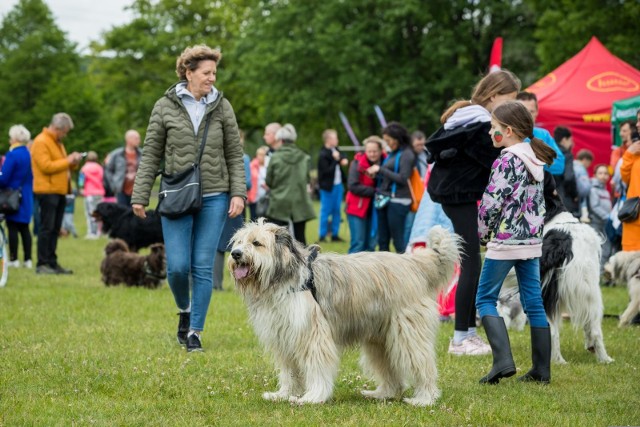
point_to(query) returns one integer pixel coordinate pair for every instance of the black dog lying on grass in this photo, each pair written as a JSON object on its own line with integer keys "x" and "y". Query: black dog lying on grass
{"x": 122, "y": 266}
{"x": 120, "y": 223}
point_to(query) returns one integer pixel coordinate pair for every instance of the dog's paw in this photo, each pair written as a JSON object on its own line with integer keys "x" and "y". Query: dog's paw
{"x": 275, "y": 396}
{"x": 294, "y": 400}
{"x": 606, "y": 359}
{"x": 559, "y": 360}
{"x": 415, "y": 401}
{"x": 378, "y": 394}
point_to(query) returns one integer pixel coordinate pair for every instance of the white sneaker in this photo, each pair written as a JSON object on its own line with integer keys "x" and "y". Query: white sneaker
{"x": 14, "y": 264}
{"x": 91, "y": 237}
{"x": 28, "y": 264}
{"x": 482, "y": 344}
{"x": 469, "y": 347}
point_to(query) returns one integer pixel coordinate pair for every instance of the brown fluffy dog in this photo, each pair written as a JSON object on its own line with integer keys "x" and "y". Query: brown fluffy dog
{"x": 122, "y": 266}
{"x": 624, "y": 267}
{"x": 306, "y": 309}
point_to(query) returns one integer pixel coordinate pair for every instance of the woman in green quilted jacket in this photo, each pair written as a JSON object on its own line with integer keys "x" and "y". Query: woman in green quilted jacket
{"x": 175, "y": 132}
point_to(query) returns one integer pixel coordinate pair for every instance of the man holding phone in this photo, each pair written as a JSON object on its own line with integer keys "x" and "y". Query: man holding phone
{"x": 51, "y": 183}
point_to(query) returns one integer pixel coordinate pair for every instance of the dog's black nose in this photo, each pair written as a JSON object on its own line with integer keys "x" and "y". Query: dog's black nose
{"x": 236, "y": 254}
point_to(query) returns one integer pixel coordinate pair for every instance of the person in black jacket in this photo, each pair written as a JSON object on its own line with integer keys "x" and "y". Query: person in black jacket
{"x": 566, "y": 183}
{"x": 463, "y": 153}
{"x": 393, "y": 176}
{"x": 331, "y": 182}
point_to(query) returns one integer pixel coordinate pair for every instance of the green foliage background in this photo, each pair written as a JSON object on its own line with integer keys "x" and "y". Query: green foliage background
{"x": 293, "y": 61}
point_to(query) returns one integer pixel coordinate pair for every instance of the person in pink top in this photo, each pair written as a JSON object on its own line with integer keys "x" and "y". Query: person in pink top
{"x": 257, "y": 190}
{"x": 92, "y": 184}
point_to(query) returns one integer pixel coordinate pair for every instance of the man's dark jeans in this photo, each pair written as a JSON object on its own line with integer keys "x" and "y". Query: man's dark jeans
{"x": 51, "y": 214}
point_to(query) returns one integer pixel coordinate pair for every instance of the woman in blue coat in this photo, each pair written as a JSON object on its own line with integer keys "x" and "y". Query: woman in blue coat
{"x": 16, "y": 174}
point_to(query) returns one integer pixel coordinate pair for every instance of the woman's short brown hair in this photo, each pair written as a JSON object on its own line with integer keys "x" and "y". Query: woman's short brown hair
{"x": 190, "y": 58}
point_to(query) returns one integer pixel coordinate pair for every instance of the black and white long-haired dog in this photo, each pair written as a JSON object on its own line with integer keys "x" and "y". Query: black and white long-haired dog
{"x": 570, "y": 275}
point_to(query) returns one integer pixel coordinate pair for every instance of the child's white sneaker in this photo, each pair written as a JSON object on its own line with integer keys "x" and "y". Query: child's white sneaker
{"x": 472, "y": 346}
{"x": 28, "y": 264}
{"x": 14, "y": 264}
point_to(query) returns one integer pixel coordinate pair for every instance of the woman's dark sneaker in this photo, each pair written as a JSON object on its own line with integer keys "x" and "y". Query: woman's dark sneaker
{"x": 193, "y": 343}
{"x": 183, "y": 327}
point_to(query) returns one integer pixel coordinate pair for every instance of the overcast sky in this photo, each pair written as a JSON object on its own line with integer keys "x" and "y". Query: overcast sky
{"x": 82, "y": 20}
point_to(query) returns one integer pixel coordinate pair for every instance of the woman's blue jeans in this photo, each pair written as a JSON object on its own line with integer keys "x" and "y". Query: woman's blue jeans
{"x": 191, "y": 242}
{"x": 363, "y": 238}
{"x": 528, "y": 272}
{"x": 391, "y": 221}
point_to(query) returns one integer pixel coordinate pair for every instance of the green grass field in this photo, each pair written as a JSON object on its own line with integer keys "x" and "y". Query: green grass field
{"x": 73, "y": 352}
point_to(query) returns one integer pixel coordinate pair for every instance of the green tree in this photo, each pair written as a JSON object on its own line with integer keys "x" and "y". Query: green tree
{"x": 305, "y": 61}
{"x": 135, "y": 63}
{"x": 566, "y": 26}
{"x": 41, "y": 74}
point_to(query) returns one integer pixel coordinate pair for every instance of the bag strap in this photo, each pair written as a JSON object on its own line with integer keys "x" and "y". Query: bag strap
{"x": 204, "y": 138}
{"x": 395, "y": 169}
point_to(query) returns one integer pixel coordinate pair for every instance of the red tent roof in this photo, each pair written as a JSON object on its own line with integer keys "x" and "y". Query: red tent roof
{"x": 579, "y": 94}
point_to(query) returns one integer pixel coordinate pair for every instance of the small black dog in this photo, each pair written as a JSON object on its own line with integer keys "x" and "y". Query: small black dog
{"x": 120, "y": 223}
{"x": 122, "y": 266}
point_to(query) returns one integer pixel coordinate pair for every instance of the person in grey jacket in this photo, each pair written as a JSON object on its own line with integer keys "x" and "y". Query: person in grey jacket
{"x": 175, "y": 132}
{"x": 600, "y": 208}
{"x": 120, "y": 170}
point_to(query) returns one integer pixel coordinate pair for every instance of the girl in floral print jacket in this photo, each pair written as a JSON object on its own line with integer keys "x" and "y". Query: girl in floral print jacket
{"x": 510, "y": 220}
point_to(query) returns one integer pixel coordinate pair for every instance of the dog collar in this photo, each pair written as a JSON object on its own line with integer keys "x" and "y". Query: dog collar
{"x": 310, "y": 285}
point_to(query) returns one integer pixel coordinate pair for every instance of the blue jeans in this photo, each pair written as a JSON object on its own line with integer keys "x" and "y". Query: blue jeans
{"x": 191, "y": 243}
{"x": 528, "y": 273}
{"x": 361, "y": 238}
{"x": 123, "y": 199}
{"x": 408, "y": 225}
{"x": 391, "y": 221}
{"x": 330, "y": 202}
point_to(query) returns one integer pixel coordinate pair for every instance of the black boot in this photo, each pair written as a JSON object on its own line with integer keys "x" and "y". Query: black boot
{"x": 183, "y": 327}
{"x": 503, "y": 366}
{"x": 540, "y": 355}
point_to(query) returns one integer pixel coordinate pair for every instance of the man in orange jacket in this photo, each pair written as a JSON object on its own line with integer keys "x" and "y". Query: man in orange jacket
{"x": 51, "y": 183}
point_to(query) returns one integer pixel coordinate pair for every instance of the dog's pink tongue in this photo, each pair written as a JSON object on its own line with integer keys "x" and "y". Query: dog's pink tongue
{"x": 241, "y": 272}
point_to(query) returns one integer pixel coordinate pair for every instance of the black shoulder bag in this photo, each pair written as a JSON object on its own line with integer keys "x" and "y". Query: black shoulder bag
{"x": 10, "y": 200}
{"x": 181, "y": 193}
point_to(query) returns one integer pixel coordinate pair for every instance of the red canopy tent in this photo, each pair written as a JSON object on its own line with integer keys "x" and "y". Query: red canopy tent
{"x": 579, "y": 95}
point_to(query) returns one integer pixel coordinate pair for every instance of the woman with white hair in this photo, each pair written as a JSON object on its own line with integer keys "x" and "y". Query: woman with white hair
{"x": 17, "y": 174}
{"x": 288, "y": 179}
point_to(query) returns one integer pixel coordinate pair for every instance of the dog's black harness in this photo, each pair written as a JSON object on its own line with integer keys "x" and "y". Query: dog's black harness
{"x": 148, "y": 272}
{"x": 310, "y": 283}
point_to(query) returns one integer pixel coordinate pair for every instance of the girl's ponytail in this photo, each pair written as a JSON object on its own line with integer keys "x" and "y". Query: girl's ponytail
{"x": 449, "y": 112}
{"x": 542, "y": 151}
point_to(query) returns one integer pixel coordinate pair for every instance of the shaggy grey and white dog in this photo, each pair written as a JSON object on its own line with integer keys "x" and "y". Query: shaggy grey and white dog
{"x": 625, "y": 267}
{"x": 306, "y": 309}
{"x": 570, "y": 279}
{"x": 509, "y": 306}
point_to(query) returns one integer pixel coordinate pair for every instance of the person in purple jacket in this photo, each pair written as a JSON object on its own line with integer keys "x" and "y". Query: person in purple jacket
{"x": 16, "y": 174}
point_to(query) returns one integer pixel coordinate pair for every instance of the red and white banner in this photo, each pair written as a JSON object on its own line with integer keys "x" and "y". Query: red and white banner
{"x": 495, "y": 61}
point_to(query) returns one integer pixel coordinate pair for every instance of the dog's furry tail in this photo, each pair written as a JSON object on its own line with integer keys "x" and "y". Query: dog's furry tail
{"x": 556, "y": 253}
{"x": 446, "y": 246}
